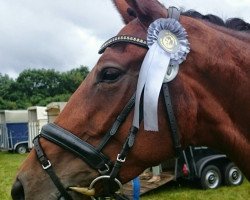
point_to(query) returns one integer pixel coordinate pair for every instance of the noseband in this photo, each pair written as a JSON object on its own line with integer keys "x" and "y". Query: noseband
{"x": 93, "y": 156}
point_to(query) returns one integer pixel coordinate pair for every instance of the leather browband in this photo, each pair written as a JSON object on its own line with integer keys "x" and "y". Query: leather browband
{"x": 70, "y": 142}
{"x": 124, "y": 39}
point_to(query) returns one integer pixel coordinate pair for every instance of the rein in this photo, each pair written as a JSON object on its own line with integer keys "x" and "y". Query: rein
{"x": 93, "y": 156}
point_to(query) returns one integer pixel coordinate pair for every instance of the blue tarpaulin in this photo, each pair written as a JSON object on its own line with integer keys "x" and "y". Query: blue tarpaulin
{"x": 136, "y": 188}
{"x": 17, "y": 132}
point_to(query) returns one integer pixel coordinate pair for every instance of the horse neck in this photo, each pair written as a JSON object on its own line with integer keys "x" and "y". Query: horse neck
{"x": 241, "y": 35}
{"x": 222, "y": 67}
{"x": 218, "y": 77}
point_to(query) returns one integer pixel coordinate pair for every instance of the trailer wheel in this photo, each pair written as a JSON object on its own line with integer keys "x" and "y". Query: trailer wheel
{"x": 210, "y": 177}
{"x": 21, "y": 149}
{"x": 233, "y": 175}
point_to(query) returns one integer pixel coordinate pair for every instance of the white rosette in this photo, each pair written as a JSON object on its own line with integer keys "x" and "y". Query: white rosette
{"x": 168, "y": 47}
{"x": 173, "y": 26}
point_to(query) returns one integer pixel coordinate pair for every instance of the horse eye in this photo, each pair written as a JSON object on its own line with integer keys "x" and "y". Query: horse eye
{"x": 110, "y": 75}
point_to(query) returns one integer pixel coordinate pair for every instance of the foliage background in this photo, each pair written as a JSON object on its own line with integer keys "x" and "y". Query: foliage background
{"x": 39, "y": 87}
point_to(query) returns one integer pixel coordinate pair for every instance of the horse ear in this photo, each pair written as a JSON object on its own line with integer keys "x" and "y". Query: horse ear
{"x": 127, "y": 13}
{"x": 148, "y": 10}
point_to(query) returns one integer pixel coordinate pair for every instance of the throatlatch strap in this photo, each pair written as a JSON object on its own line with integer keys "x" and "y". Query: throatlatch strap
{"x": 173, "y": 12}
{"x": 172, "y": 120}
{"x": 49, "y": 169}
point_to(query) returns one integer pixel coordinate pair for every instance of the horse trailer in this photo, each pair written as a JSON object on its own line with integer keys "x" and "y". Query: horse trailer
{"x": 37, "y": 117}
{"x": 53, "y": 110}
{"x": 207, "y": 166}
{"x": 14, "y": 130}
{"x": 200, "y": 165}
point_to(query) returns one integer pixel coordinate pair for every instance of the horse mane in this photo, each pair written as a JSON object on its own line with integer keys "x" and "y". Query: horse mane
{"x": 236, "y": 24}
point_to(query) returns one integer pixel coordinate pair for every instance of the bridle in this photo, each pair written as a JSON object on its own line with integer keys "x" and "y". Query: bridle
{"x": 93, "y": 156}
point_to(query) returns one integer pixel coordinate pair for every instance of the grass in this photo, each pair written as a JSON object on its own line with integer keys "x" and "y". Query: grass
{"x": 10, "y": 162}
{"x": 187, "y": 191}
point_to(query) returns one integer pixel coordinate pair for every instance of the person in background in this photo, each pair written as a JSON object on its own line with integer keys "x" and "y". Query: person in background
{"x": 156, "y": 170}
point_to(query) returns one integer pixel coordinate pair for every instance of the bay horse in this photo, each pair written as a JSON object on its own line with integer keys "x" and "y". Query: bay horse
{"x": 210, "y": 99}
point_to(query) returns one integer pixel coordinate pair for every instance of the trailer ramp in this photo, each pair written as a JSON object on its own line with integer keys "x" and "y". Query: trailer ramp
{"x": 147, "y": 187}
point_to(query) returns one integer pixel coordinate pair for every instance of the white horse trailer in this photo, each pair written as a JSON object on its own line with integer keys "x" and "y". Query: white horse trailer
{"x": 14, "y": 130}
{"x": 3, "y": 131}
{"x": 53, "y": 110}
{"x": 37, "y": 117}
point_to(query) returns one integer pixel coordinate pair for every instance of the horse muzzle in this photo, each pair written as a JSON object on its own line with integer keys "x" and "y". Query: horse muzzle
{"x": 17, "y": 191}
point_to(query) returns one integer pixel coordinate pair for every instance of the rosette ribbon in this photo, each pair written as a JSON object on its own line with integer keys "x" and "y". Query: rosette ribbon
{"x": 168, "y": 47}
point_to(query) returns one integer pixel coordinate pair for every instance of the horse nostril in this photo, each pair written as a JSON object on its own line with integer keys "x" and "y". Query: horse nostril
{"x": 17, "y": 191}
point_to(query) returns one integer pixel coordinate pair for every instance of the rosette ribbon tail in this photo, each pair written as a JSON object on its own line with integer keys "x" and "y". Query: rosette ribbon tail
{"x": 141, "y": 83}
{"x": 154, "y": 68}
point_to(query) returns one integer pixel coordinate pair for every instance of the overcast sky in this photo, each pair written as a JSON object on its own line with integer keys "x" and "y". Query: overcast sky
{"x": 64, "y": 34}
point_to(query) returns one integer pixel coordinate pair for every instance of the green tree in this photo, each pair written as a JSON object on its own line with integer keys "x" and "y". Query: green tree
{"x": 5, "y": 104}
{"x": 5, "y": 83}
{"x": 39, "y": 87}
{"x": 73, "y": 78}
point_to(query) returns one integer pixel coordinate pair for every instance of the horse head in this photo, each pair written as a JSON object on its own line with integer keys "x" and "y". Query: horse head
{"x": 97, "y": 119}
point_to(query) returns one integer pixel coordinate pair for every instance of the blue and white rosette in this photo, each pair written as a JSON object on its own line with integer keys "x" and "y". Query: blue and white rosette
{"x": 168, "y": 47}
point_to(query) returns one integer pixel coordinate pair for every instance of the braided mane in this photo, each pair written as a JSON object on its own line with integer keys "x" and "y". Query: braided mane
{"x": 231, "y": 23}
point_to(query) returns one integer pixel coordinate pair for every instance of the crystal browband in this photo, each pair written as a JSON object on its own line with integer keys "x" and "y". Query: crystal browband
{"x": 123, "y": 38}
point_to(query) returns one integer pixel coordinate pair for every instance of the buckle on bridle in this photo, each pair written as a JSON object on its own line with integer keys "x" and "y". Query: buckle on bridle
{"x": 120, "y": 159}
{"x": 104, "y": 171}
{"x": 46, "y": 165}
